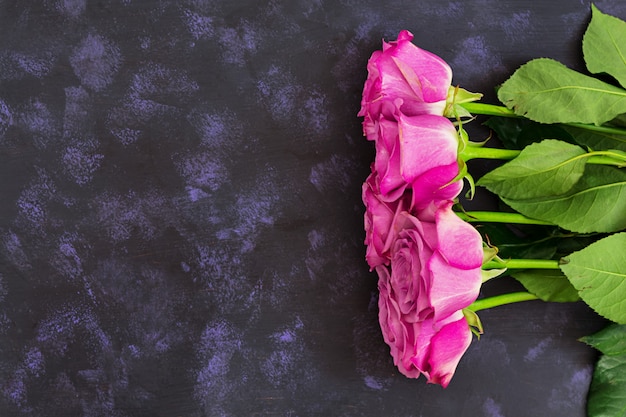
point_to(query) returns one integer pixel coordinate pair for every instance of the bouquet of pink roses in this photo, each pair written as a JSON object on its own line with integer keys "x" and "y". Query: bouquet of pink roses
{"x": 428, "y": 260}
{"x": 563, "y": 177}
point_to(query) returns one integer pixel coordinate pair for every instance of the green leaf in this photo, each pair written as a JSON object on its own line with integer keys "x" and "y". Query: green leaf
{"x": 598, "y": 141}
{"x": 522, "y": 241}
{"x": 619, "y": 121}
{"x": 517, "y": 132}
{"x": 604, "y": 49}
{"x": 537, "y": 249}
{"x": 597, "y": 203}
{"x": 566, "y": 244}
{"x": 607, "y": 393}
{"x": 548, "y": 285}
{"x": 548, "y": 168}
{"x": 508, "y": 129}
{"x": 598, "y": 272}
{"x": 546, "y": 91}
{"x": 536, "y": 132}
{"x": 611, "y": 340}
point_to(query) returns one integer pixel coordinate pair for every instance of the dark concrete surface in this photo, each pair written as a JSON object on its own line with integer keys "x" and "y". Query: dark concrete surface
{"x": 180, "y": 215}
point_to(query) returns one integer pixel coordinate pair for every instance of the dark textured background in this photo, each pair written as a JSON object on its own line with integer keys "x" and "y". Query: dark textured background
{"x": 180, "y": 215}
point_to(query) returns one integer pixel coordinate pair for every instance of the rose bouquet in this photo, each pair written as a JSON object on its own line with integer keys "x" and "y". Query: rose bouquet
{"x": 563, "y": 181}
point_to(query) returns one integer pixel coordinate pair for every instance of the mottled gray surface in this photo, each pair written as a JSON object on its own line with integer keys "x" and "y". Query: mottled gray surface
{"x": 181, "y": 225}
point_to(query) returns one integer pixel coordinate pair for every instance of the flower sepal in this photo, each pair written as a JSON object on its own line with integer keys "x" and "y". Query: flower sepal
{"x": 490, "y": 253}
{"x": 473, "y": 321}
{"x": 488, "y": 274}
{"x": 457, "y": 96}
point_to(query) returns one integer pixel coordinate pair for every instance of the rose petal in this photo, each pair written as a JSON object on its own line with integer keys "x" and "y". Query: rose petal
{"x": 415, "y": 81}
{"x": 452, "y": 289}
{"x": 387, "y": 161}
{"x": 434, "y": 76}
{"x": 447, "y": 349}
{"x": 422, "y": 345}
{"x": 420, "y": 77}
{"x": 459, "y": 242}
{"x": 409, "y": 277}
{"x": 435, "y": 185}
{"x": 426, "y": 142}
{"x": 399, "y": 335}
{"x": 378, "y": 220}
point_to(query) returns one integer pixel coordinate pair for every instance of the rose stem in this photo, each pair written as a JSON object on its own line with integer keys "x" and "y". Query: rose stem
{"x": 499, "y": 300}
{"x": 493, "y": 110}
{"x": 499, "y": 217}
{"x": 522, "y": 264}
{"x": 475, "y": 152}
{"x": 595, "y": 158}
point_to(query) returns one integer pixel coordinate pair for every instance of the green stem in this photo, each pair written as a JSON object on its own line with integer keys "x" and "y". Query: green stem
{"x": 493, "y": 110}
{"x": 477, "y": 151}
{"x": 522, "y": 264}
{"x": 499, "y": 300}
{"x": 499, "y": 217}
{"x": 488, "y": 109}
{"x": 602, "y": 129}
{"x": 473, "y": 152}
{"x": 607, "y": 158}
{"x": 595, "y": 158}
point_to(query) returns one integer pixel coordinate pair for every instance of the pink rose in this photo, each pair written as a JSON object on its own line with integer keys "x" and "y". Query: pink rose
{"x": 379, "y": 216}
{"x": 419, "y": 152}
{"x": 406, "y": 77}
{"x": 433, "y": 274}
